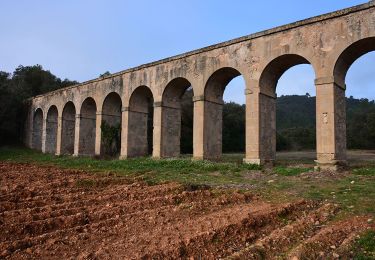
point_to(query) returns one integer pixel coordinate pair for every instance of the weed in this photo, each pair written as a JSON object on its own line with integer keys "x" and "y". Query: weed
{"x": 364, "y": 247}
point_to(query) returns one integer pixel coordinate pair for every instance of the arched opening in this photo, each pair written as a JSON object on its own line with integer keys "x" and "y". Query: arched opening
{"x": 350, "y": 55}
{"x": 51, "y": 130}
{"x": 296, "y": 114}
{"x": 140, "y": 122}
{"x": 87, "y": 127}
{"x": 177, "y": 118}
{"x": 289, "y": 116}
{"x": 68, "y": 128}
{"x": 37, "y": 129}
{"x": 111, "y": 125}
{"x": 354, "y": 71}
{"x": 214, "y": 110}
{"x": 234, "y": 117}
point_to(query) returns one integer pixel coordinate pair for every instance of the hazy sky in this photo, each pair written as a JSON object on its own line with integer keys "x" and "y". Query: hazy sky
{"x": 80, "y": 39}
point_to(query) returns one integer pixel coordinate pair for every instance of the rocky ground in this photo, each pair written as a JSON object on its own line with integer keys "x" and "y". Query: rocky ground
{"x": 49, "y": 213}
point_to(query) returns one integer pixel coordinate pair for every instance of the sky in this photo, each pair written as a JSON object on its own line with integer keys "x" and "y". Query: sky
{"x": 81, "y": 39}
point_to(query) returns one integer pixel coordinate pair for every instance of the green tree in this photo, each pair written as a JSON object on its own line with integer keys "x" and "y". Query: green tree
{"x": 25, "y": 82}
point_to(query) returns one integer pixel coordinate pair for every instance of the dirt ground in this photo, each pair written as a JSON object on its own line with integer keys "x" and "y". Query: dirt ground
{"x": 49, "y": 213}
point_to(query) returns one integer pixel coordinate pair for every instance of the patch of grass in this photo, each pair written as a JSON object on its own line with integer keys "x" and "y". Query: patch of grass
{"x": 182, "y": 170}
{"x": 83, "y": 183}
{"x": 287, "y": 171}
{"x": 364, "y": 247}
{"x": 365, "y": 171}
{"x": 355, "y": 193}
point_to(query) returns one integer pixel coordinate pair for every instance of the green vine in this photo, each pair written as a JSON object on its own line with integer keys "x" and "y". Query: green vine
{"x": 111, "y": 138}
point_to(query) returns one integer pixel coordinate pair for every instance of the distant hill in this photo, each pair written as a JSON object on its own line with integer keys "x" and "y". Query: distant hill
{"x": 295, "y": 121}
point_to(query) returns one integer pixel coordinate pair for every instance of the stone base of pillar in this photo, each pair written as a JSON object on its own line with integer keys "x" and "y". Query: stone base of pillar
{"x": 334, "y": 165}
{"x": 206, "y": 158}
{"x": 123, "y": 157}
{"x": 86, "y": 155}
{"x": 262, "y": 162}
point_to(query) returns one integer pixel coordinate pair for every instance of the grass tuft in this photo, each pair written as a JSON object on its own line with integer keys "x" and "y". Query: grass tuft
{"x": 365, "y": 171}
{"x": 364, "y": 247}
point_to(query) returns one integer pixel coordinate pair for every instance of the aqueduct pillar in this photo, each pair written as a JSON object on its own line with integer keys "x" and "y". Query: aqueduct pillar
{"x": 330, "y": 123}
{"x": 76, "y": 134}
{"x": 98, "y": 133}
{"x": 59, "y": 135}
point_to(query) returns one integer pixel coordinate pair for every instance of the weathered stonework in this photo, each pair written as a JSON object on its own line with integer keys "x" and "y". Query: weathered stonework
{"x": 330, "y": 43}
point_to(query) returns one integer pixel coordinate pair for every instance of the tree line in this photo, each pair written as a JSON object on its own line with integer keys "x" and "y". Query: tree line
{"x": 15, "y": 88}
{"x": 295, "y": 115}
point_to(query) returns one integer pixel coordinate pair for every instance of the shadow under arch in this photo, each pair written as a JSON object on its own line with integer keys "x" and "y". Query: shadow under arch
{"x": 111, "y": 125}
{"x": 37, "y": 129}
{"x": 68, "y": 128}
{"x": 87, "y": 127}
{"x": 172, "y": 116}
{"x": 51, "y": 130}
{"x": 140, "y": 122}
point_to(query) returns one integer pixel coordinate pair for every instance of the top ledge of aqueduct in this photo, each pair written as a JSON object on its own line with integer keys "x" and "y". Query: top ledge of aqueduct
{"x": 312, "y": 20}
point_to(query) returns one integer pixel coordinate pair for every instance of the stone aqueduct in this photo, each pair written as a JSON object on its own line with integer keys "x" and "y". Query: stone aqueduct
{"x": 68, "y": 121}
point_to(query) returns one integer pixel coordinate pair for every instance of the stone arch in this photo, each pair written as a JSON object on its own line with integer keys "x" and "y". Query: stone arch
{"x": 140, "y": 122}
{"x": 268, "y": 81}
{"x": 51, "y": 130}
{"x": 111, "y": 120}
{"x": 349, "y": 56}
{"x": 342, "y": 65}
{"x": 37, "y": 129}
{"x": 215, "y": 85}
{"x": 213, "y": 112}
{"x": 68, "y": 128}
{"x": 171, "y": 118}
{"x": 87, "y": 127}
{"x": 275, "y": 69}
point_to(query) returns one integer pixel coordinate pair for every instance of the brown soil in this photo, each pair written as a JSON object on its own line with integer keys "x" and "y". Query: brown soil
{"x": 49, "y": 213}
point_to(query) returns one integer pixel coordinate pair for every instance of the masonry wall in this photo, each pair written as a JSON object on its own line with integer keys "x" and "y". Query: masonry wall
{"x": 261, "y": 59}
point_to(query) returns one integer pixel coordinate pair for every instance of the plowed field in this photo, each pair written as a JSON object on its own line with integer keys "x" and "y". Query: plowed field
{"x": 49, "y": 213}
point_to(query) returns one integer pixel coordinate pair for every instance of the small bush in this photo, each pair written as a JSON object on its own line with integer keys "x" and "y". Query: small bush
{"x": 111, "y": 138}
